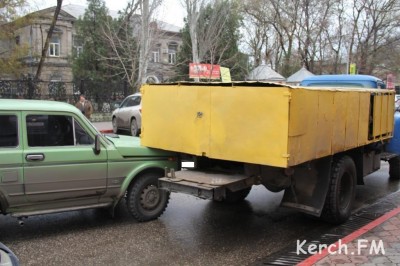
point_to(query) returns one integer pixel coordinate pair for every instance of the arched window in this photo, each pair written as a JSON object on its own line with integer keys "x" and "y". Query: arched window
{"x": 152, "y": 79}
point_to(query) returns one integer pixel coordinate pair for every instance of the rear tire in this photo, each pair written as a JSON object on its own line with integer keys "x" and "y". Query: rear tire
{"x": 341, "y": 192}
{"x": 394, "y": 168}
{"x": 134, "y": 129}
{"x": 144, "y": 200}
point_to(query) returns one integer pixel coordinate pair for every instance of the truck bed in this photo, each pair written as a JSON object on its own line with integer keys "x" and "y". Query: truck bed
{"x": 263, "y": 123}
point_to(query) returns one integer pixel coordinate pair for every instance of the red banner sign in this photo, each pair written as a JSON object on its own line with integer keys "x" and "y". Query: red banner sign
{"x": 390, "y": 82}
{"x": 204, "y": 71}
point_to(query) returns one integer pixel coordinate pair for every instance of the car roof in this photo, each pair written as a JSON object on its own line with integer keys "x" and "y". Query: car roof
{"x": 36, "y": 105}
{"x": 135, "y": 94}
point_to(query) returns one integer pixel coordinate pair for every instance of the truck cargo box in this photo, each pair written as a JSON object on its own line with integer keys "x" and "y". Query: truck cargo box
{"x": 263, "y": 123}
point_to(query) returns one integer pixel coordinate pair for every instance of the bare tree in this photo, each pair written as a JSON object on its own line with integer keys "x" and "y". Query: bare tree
{"x": 284, "y": 22}
{"x": 131, "y": 39}
{"x": 11, "y": 50}
{"x": 193, "y": 9}
{"x": 147, "y": 9}
{"x": 376, "y": 23}
{"x": 336, "y": 36}
{"x": 206, "y": 25}
{"x": 119, "y": 34}
{"x": 312, "y": 23}
{"x": 261, "y": 36}
{"x": 9, "y": 9}
{"x": 324, "y": 35}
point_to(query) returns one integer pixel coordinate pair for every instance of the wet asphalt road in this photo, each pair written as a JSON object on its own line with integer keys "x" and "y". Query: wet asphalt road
{"x": 191, "y": 231}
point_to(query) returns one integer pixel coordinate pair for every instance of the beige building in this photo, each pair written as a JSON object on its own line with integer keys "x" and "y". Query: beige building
{"x": 64, "y": 45}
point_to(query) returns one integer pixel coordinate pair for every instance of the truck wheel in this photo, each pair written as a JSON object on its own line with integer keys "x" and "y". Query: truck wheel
{"x": 134, "y": 128}
{"x": 144, "y": 200}
{"x": 115, "y": 125}
{"x": 237, "y": 196}
{"x": 394, "y": 168}
{"x": 341, "y": 192}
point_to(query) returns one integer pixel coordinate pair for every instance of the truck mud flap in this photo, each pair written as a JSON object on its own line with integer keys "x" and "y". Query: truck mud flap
{"x": 205, "y": 185}
{"x": 309, "y": 187}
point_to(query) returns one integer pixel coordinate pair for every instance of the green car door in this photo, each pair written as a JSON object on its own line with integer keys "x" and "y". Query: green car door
{"x": 59, "y": 161}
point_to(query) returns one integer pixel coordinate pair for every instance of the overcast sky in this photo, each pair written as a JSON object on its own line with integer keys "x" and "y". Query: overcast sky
{"x": 171, "y": 11}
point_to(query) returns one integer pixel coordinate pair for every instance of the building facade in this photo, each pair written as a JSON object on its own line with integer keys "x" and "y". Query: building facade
{"x": 65, "y": 44}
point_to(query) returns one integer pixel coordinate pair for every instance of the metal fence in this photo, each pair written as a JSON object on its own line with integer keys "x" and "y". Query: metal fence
{"x": 103, "y": 95}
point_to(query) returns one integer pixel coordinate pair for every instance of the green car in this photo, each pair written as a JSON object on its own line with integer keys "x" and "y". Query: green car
{"x": 52, "y": 159}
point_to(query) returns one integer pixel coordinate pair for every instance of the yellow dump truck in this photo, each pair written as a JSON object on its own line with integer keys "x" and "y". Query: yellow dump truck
{"x": 314, "y": 143}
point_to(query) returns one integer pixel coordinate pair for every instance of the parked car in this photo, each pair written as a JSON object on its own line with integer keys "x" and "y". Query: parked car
{"x": 127, "y": 116}
{"x": 52, "y": 159}
{"x": 7, "y": 257}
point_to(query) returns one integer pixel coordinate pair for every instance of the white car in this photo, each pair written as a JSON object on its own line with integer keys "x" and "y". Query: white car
{"x": 128, "y": 117}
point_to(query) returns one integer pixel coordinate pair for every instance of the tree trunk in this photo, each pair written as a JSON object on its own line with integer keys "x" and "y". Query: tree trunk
{"x": 144, "y": 42}
{"x": 46, "y": 44}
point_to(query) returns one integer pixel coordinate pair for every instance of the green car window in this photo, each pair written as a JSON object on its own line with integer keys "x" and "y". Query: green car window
{"x": 8, "y": 131}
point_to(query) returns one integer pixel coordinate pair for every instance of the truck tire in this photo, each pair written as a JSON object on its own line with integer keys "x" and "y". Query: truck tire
{"x": 341, "y": 191}
{"x": 144, "y": 200}
{"x": 134, "y": 129}
{"x": 394, "y": 168}
{"x": 237, "y": 196}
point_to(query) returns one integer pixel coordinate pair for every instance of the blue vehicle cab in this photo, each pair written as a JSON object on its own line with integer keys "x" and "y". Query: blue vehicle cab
{"x": 358, "y": 81}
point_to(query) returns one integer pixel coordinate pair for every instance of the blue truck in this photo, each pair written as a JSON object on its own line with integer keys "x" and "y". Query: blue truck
{"x": 359, "y": 81}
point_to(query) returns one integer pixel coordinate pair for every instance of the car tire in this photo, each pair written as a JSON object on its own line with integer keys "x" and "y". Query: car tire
{"x": 134, "y": 129}
{"x": 115, "y": 125}
{"x": 144, "y": 200}
{"x": 341, "y": 191}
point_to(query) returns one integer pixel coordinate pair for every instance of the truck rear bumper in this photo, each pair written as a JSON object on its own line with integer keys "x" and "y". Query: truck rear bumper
{"x": 205, "y": 185}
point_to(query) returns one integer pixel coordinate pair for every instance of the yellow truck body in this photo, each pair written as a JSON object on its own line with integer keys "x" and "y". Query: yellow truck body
{"x": 263, "y": 123}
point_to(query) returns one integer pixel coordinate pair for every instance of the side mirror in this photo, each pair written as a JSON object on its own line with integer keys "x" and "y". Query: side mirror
{"x": 97, "y": 145}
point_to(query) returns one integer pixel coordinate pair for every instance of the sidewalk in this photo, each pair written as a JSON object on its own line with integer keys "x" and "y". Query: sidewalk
{"x": 377, "y": 243}
{"x": 104, "y": 127}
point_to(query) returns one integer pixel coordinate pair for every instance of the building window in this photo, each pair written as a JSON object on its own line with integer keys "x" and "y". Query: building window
{"x": 171, "y": 58}
{"x": 54, "y": 46}
{"x": 155, "y": 56}
{"x": 78, "y": 45}
{"x": 172, "y": 48}
{"x": 79, "y": 50}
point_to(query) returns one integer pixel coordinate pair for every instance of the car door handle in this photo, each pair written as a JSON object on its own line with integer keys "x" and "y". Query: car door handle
{"x": 35, "y": 157}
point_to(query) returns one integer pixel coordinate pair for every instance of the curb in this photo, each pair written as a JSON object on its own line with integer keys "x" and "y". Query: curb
{"x": 366, "y": 228}
{"x": 106, "y": 131}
